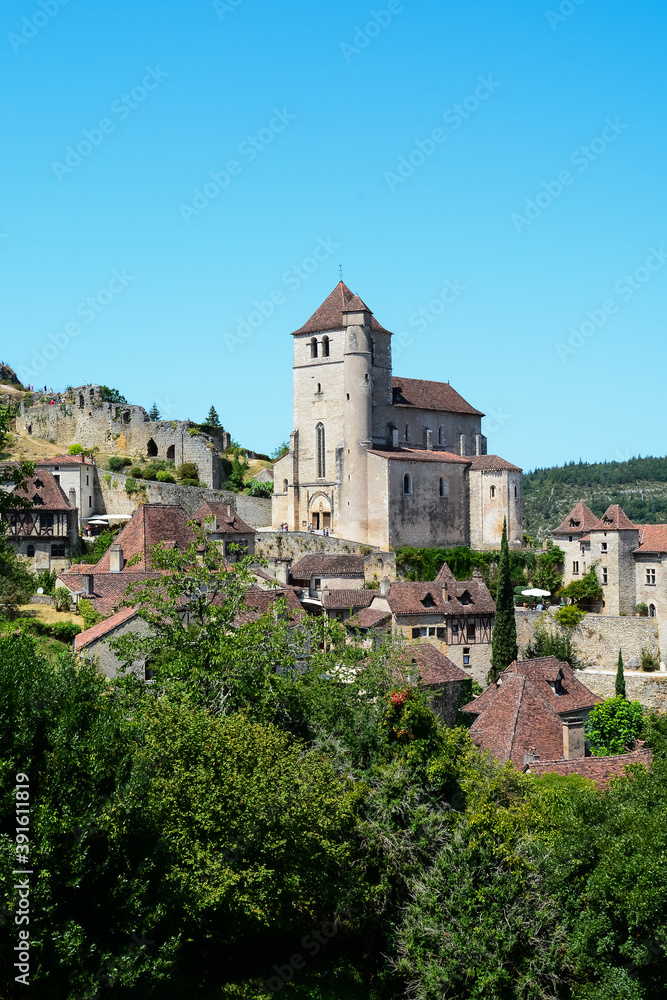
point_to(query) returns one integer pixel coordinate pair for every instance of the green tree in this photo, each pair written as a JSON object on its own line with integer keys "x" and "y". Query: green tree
{"x": 614, "y": 726}
{"x": 620, "y": 677}
{"x": 236, "y": 481}
{"x": 256, "y": 489}
{"x": 548, "y": 573}
{"x": 212, "y": 418}
{"x": 279, "y": 451}
{"x": 154, "y": 413}
{"x": 504, "y": 648}
{"x": 548, "y": 643}
{"x": 111, "y": 395}
{"x": 584, "y": 591}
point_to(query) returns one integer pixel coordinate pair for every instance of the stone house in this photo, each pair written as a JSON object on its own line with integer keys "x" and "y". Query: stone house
{"x": 630, "y": 560}
{"x": 321, "y": 571}
{"x": 536, "y": 710}
{"x": 76, "y": 476}
{"x": 448, "y": 686}
{"x": 227, "y": 528}
{"x": 384, "y": 460}
{"x": 45, "y": 534}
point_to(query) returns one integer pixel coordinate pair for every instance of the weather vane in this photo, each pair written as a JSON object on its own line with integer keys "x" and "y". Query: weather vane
{"x": 340, "y": 271}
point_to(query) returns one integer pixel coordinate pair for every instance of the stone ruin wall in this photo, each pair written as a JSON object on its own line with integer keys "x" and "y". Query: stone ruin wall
{"x": 122, "y": 429}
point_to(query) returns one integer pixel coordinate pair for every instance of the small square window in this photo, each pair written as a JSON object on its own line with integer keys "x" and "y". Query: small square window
{"x": 415, "y": 633}
{"x": 455, "y": 628}
{"x": 650, "y": 577}
{"x": 431, "y": 631}
{"x": 604, "y": 574}
{"x": 317, "y": 584}
{"x": 441, "y": 633}
{"x": 603, "y": 547}
{"x": 575, "y": 568}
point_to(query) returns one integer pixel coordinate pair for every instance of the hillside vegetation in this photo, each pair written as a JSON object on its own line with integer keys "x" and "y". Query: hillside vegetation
{"x": 638, "y": 485}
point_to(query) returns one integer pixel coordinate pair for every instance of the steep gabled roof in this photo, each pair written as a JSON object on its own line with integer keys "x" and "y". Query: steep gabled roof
{"x": 343, "y": 599}
{"x": 434, "y": 667}
{"x": 518, "y": 721}
{"x": 227, "y": 520}
{"x": 418, "y": 394}
{"x": 427, "y": 598}
{"x": 104, "y": 628}
{"x": 368, "y": 618}
{"x": 615, "y": 519}
{"x": 44, "y": 492}
{"x": 580, "y": 518}
{"x": 329, "y": 316}
{"x": 576, "y": 697}
{"x": 491, "y": 463}
{"x": 151, "y": 523}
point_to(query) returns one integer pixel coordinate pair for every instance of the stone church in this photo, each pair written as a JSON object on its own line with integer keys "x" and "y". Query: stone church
{"x": 384, "y": 460}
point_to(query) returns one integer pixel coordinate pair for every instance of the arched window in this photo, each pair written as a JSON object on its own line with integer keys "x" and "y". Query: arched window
{"x": 516, "y": 492}
{"x": 441, "y": 436}
{"x": 407, "y": 432}
{"x": 651, "y": 611}
{"x": 285, "y": 485}
{"x": 313, "y": 347}
{"x": 171, "y": 452}
{"x": 325, "y": 347}
{"x": 462, "y": 444}
{"x": 30, "y": 551}
{"x": 319, "y": 388}
{"x": 492, "y": 492}
{"x": 321, "y": 456}
{"x": 444, "y": 487}
{"x": 407, "y": 484}
{"x": 151, "y": 449}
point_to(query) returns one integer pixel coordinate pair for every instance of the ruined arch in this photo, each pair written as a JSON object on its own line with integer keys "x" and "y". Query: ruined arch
{"x": 171, "y": 453}
{"x": 151, "y": 449}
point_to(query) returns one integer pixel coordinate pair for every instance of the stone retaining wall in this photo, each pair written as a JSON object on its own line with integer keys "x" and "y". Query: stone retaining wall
{"x": 598, "y": 637}
{"x": 649, "y": 689}
{"x": 282, "y": 548}
{"x": 111, "y": 498}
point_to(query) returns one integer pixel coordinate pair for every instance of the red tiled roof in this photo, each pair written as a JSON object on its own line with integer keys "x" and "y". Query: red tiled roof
{"x": 652, "y": 538}
{"x": 150, "y": 524}
{"x": 491, "y": 463}
{"x": 103, "y": 628}
{"x": 65, "y": 460}
{"x": 44, "y": 492}
{"x": 517, "y": 721}
{"x": 342, "y": 599}
{"x": 615, "y": 519}
{"x": 599, "y": 769}
{"x": 427, "y": 598}
{"x": 419, "y": 394}
{"x": 329, "y": 316}
{"x": 584, "y": 518}
{"x": 327, "y": 565}
{"x": 417, "y": 455}
{"x": 368, "y": 618}
{"x": 258, "y": 601}
{"x": 434, "y": 667}
{"x": 226, "y": 523}
{"x": 109, "y": 589}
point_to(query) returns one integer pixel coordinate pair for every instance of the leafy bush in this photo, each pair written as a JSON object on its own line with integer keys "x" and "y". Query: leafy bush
{"x": 88, "y": 613}
{"x": 101, "y": 544}
{"x": 586, "y": 590}
{"x": 547, "y": 643}
{"x": 136, "y": 472}
{"x": 164, "y": 477}
{"x": 649, "y": 661}
{"x": 75, "y": 449}
{"x": 133, "y": 486}
{"x": 47, "y": 581}
{"x": 188, "y": 470}
{"x": 190, "y": 482}
{"x": 193, "y": 431}
{"x": 569, "y": 615}
{"x": 614, "y": 726}
{"x": 111, "y": 395}
{"x": 256, "y": 489}
{"x": 117, "y": 462}
{"x": 62, "y": 600}
{"x": 641, "y": 609}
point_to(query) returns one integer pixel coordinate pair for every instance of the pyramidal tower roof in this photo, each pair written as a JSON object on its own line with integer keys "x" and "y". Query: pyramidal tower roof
{"x": 330, "y": 314}
{"x": 580, "y": 518}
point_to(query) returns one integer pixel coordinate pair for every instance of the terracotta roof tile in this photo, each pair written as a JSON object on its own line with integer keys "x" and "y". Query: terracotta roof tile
{"x": 226, "y": 523}
{"x": 368, "y": 618}
{"x": 65, "y": 460}
{"x": 584, "y": 520}
{"x": 103, "y": 628}
{"x": 465, "y": 597}
{"x": 417, "y": 455}
{"x": 492, "y": 463}
{"x": 615, "y": 519}
{"x": 342, "y": 599}
{"x": 109, "y": 589}
{"x": 44, "y": 492}
{"x": 576, "y": 696}
{"x": 652, "y": 538}
{"x": 329, "y": 316}
{"x": 517, "y": 721}
{"x": 599, "y": 769}
{"x": 419, "y": 394}
{"x": 327, "y": 565}
{"x": 434, "y": 667}
{"x": 150, "y": 524}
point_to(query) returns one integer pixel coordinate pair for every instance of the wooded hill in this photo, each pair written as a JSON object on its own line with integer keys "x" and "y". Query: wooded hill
{"x": 638, "y": 485}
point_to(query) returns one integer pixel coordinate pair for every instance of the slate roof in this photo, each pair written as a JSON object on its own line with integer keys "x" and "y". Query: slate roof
{"x": 343, "y": 599}
{"x": 491, "y": 463}
{"x": 518, "y": 720}
{"x": 226, "y": 523}
{"x": 417, "y": 455}
{"x": 419, "y": 394}
{"x": 652, "y": 538}
{"x": 599, "y": 769}
{"x": 103, "y": 628}
{"x": 327, "y": 565}
{"x": 615, "y": 519}
{"x": 329, "y": 316}
{"x": 45, "y": 493}
{"x": 151, "y": 523}
{"x": 434, "y": 667}
{"x": 583, "y": 516}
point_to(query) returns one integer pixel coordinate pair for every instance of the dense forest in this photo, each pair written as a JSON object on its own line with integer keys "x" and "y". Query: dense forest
{"x": 639, "y": 485}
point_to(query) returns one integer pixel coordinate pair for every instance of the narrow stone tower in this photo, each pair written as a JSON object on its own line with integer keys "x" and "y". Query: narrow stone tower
{"x": 352, "y": 451}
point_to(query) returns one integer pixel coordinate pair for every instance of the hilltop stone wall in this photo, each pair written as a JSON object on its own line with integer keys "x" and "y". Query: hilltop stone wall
{"x": 122, "y": 429}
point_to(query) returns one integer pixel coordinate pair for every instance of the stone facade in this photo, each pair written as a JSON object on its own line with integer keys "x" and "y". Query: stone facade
{"x": 124, "y": 430}
{"x": 282, "y": 549}
{"x": 648, "y": 689}
{"x": 379, "y": 459}
{"x": 598, "y": 637}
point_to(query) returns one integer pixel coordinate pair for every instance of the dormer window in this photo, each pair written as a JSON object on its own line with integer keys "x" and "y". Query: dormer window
{"x": 573, "y": 523}
{"x": 428, "y": 601}
{"x": 39, "y": 484}
{"x": 37, "y": 499}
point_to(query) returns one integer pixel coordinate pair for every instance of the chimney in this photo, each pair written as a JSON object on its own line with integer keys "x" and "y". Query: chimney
{"x": 88, "y": 583}
{"x": 229, "y": 510}
{"x": 385, "y": 586}
{"x": 574, "y": 744}
{"x": 531, "y": 757}
{"x": 116, "y": 558}
{"x": 445, "y": 595}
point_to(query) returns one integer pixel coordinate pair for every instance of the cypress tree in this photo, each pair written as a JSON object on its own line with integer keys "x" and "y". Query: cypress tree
{"x": 620, "y": 677}
{"x": 504, "y": 649}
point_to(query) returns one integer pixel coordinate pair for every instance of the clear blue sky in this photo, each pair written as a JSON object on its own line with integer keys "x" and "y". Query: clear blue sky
{"x": 314, "y": 105}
